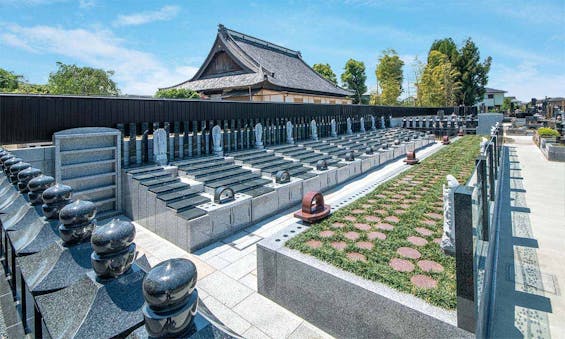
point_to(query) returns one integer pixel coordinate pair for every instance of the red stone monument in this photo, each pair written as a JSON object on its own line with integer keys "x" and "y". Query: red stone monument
{"x": 313, "y": 208}
{"x": 446, "y": 140}
{"x": 411, "y": 158}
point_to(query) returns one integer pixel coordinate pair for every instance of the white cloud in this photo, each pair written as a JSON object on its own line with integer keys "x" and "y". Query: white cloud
{"x": 87, "y": 4}
{"x": 136, "y": 72}
{"x": 165, "y": 13}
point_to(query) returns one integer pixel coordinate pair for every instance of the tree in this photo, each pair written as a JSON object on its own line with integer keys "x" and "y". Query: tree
{"x": 473, "y": 73}
{"x": 437, "y": 85}
{"x": 389, "y": 77}
{"x": 177, "y": 93}
{"x": 72, "y": 79}
{"x": 326, "y": 71}
{"x": 446, "y": 46}
{"x": 354, "y": 78}
{"x": 9, "y": 81}
{"x": 507, "y": 105}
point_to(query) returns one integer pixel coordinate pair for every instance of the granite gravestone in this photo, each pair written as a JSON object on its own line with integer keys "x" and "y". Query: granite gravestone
{"x": 314, "y": 130}
{"x": 37, "y": 186}
{"x": 289, "y": 131}
{"x": 217, "y": 140}
{"x": 373, "y": 123}
{"x": 349, "y": 130}
{"x": 160, "y": 147}
{"x": 383, "y": 125}
{"x": 25, "y": 176}
{"x": 362, "y": 123}
{"x": 448, "y": 237}
{"x": 333, "y": 125}
{"x": 259, "y": 136}
{"x": 106, "y": 301}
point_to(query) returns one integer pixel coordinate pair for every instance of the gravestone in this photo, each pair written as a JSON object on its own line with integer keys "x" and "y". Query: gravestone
{"x": 217, "y": 140}
{"x": 448, "y": 237}
{"x": 25, "y": 176}
{"x": 289, "y": 130}
{"x": 333, "y": 128}
{"x": 383, "y": 126}
{"x": 349, "y": 130}
{"x": 259, "y": 136}
{"x": 37, "y": 186}
{"x": 362, "y": 123}
{"x": 160, "y": 147}
{"x": 373, "y": 123}
{"x": 89, "y": 160}
{"x": 314, "y": 130}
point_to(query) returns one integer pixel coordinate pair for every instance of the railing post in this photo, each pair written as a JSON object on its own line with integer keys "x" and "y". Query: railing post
{"x": 491, "y": 170}
{"x": 483, "y": 200}
{"x": 464, "y": 258}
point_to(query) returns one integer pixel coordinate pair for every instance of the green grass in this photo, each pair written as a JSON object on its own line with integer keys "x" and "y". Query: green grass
{"x": 419, "y": 190}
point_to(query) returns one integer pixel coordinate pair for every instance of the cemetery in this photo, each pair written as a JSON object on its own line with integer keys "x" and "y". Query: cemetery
{"x": 415, "y": 242}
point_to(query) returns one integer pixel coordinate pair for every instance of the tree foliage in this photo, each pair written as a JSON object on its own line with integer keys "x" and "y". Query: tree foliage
{"x": 354, "y": 78}
{"x": 9, "y": 81}
{"x": 389, "y": 77}
{"x": 72, "y": 79}
{"x": 474, "y": 73}
{"x": 326, "y": 71}
{"x": 446, "y": 46}
{"x": 507, "y": 105}
{"x": 438, "y": 84}
{"x": 177, "y": 93}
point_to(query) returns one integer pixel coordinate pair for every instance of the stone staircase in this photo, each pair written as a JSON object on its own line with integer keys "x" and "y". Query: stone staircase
{"x": 269, "y": 163}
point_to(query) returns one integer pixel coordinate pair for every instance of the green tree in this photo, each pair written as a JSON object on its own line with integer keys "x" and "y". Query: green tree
{"x": 354, "y": 78}
{"x": 473, "y": 74}
{"x": 326, "y": 71}
{"x": 9, "y": 81}
{"x": 177, "y": 93}
{"x": 389, "y": 77}
{"x": 507, "y": 105}
{"x": 446, "y": 46}
{"x": 437, "y": 85}
{"x": 72, "y": 79}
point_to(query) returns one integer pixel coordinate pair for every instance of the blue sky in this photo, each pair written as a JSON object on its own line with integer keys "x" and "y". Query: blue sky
{"x": 150, "y": 44}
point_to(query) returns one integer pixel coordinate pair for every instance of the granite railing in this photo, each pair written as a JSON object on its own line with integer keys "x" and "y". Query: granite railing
{"x": 474, "y": 210}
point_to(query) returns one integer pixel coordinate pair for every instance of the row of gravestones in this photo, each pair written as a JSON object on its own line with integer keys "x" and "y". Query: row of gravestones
{"x": 436, "y": 122}
{"x": 180, "y": 146}
{"x": 84, "y": 279}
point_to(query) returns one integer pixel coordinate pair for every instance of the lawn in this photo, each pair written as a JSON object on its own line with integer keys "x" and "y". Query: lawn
{"x": 392, "y": 235}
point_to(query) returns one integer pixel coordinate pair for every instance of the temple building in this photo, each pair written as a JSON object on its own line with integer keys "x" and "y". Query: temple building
{"x": 244, "y": 68}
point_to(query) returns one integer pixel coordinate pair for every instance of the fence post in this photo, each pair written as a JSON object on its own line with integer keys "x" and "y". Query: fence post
{"x": 491, "y": 170}
{"x": 464, "y": 258}
{"x": 483, "y": 200}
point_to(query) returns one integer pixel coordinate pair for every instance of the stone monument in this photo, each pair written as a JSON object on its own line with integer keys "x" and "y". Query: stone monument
{"x": 314, "y": 130}
{"x": 448, "y": 237}
{"x": 362, "y": 123}
{"x": 217, "y": 141}
{"x": 349, "y": 130}
{"x": 289, "y": 131}
{"x": 373, "y": 123}
{"x": 333, "y": 126}
{"x": 383, "y": 125}
{"x": 259, "y": 136}
{"x": 160, "y": 147}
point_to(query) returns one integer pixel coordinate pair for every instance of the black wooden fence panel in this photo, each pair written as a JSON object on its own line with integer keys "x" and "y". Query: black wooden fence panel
{"x": 34, "y": 118}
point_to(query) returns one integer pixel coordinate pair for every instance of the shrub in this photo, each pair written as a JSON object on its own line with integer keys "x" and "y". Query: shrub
{"x": 177, "y": 93}
{"x": 545, "y": 132}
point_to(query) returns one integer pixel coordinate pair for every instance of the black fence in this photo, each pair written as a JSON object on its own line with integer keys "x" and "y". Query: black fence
{"x": 34, "y": 118}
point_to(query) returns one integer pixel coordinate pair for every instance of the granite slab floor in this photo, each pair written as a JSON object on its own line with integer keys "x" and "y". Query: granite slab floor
{"x": 529, "y": 296}
{"x": 227, "y": 269}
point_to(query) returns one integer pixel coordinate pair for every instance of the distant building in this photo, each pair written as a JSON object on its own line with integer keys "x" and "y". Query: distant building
{"x": 241, "y": 67}
{"x": 492, "y": 100}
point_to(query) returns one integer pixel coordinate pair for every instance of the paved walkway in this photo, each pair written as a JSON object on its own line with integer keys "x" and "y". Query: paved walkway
{"x": 227, "y": 270}
{"x": 529, "y": 298}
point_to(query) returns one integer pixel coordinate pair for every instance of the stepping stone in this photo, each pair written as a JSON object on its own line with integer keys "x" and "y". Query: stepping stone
{"x": 424, "y": 231}
{"x": 404, "y": 206}
{"x": 367, "y": 206}
{"x": 429, "y": 222}
{"x": 398, "y": 196}
{"x": 376, "y": 235}
{"x": 339, "y": 245}
{"x": 399, "y": 212}
{"x": 401, "y": 265}
{"x": 362, "y": 227}
{"x": 351, "y": 235}
{"x": 357, "y": 211}
{"x": 417, "y": 241}
{"x": 314, "y": 243}
{"x": 435, "y": 216}
{"x": 372, "y": 218}
{"x": 372, "y": 201}
{"x": 392, "y": 219}
{"x": 437, "y": 240}
{"x": 381, "y": 196}
{"x": 327, "y": 234}
{"x": 350, "y": 218}
{"x": 430, "y": 266}
{"x": 386, "y": 227}
{"x": 381, "y": 212}
{"x": 423, "y": 281}
{"x": 338, "y": 225}
{"x": 354, "y": 256}
{"x": 409, "y": 252}
{"x": 364, "y": 245}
